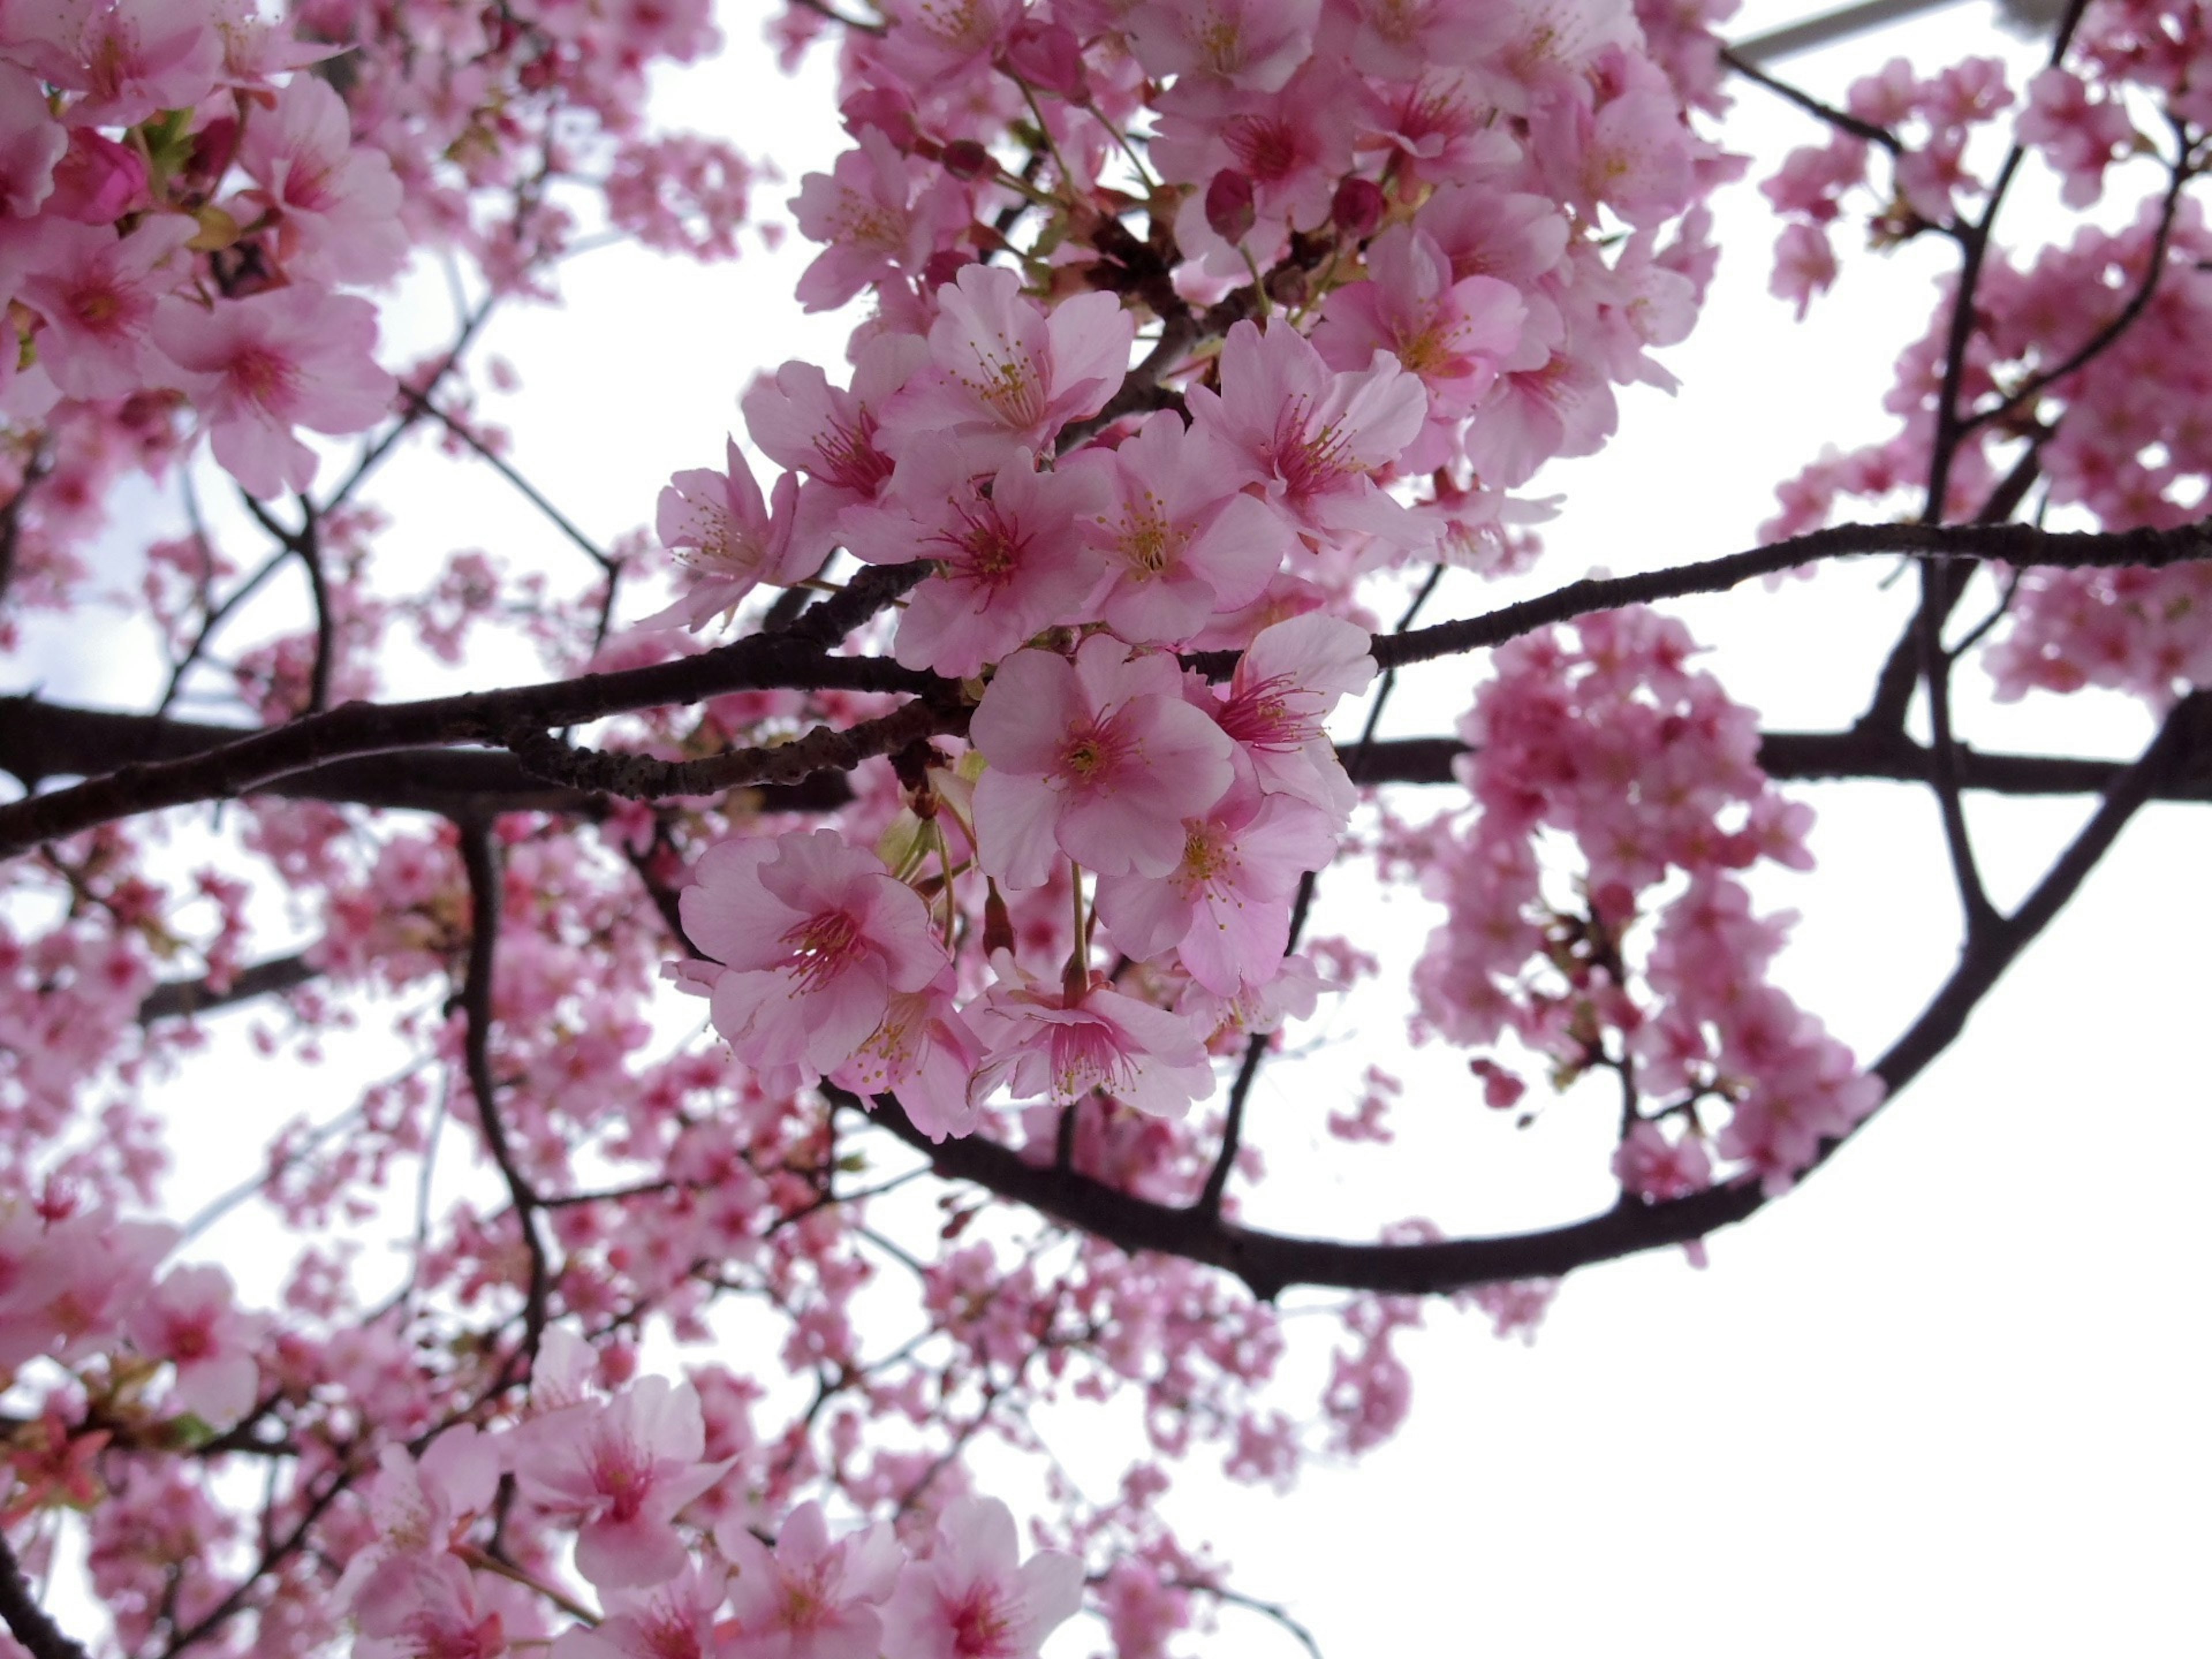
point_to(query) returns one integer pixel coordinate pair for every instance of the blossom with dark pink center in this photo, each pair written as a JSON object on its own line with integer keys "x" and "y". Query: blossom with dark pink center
{"x": 1047, "y": 1041}
{"x": 337, "y": 204}
{"x": 258, "y": 366}
{"x": 1010, "y": 560}
{"x": 1180, "y": 543}
{"x": 975, "y": 1598}
{"x": 808, "y": 1598}
{"x": 815, "y": 937}
{"x": 97, "y": 293}
{"x": 1452, "y": 336}
{"x": 1100, "y": 759}
{"x": 622, "y": 1470}
{"x": 1225, "y": 909}
{"x": 1312, "y": 439}
{"x": 719, "y": 529}
{"x": 1004, "y": 369}
{"x": 1278, "y": 703}
{"x": 189, "y": 1321}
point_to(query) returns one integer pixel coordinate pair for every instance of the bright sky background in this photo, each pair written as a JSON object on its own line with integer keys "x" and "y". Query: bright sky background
{"x": 1947, "y": 1399}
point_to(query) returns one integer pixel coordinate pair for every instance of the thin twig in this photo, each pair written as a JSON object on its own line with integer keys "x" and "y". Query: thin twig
{"x": 1841, "y": 120}
{"x": 480, "y": 856}
{"x": 26, "y": 1620}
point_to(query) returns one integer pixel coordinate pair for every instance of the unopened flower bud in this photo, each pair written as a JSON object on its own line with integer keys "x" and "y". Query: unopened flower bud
{"x": 888, "y": 112}
{"x": 1048, "y": 57}
{"x": 944, "y": 266}
{"x": 966, "y": 159}
{"x": 97, "y": 180}
{"x": 1228, "y": 210}
{"x": 1357, "y": 208}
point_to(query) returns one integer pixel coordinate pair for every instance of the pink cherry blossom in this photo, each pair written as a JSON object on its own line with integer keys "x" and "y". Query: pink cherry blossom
{"x": 808, "y": 1598}
{"x": 1452, "y": 336}
{"x": 814, "y": 936}
{"x": 258, "y": 366}
{"x": 97, "y": 294}
{"x": 621, "y": 1470}
{"x": 1225, "y": 909}
{"x": 1179, "y": 544}
{"x": 1278, "y": 700}
{"x": 1254, "y": 46}
{"x": 719, "y": 526}
{"x": 1053, "y": 1042}
{"x": 188, "y": 1320}
{"x": 671, "y": 1620}
{"x": 338, "y": 203}
{"x": 1002, "y": 368}
{"x": 924, "y": 1052}
{"x": 1100, "y": 759}
{"x": 1311, "y": 439}
{"x": 974, "y": 1597}
{"x": 877, "y": 217}
{"x": 1008, "y": 564}
{"x": 129, "y": 58}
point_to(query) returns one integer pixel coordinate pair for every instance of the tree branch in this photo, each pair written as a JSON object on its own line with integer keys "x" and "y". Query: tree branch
{"x": 1841, "y": 120}
{"x": 824, "y": 748}
{"x": 1813, "y": 756}
{"x": 179, "y": 999}
{"x": 1269, "y": 1263}
{"x": 26, "y": 1620}
{"x": 481, "y": 857}
{"x": 2014, "y": 544}
{"x": 759, "y": 662}
{"x": 41, "y": 740}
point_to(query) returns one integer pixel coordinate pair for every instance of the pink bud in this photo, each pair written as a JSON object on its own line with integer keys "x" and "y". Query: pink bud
{"x": 1229, "y": 205}
{"x": 1358, "y": 208}
{"x": 966, "y": 159}
{"x": 97, "y": 180}
{"x": 888, "y": 112}
{"x": 944, "y": 266}
{"x": 1500, "y": 1088}
{"x": 1048, "y": 57}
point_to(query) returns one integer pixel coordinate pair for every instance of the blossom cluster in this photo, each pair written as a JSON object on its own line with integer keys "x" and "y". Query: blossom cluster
{"x": 76, "y": 1284}
{"x": 2083, "y": 378}
{"x": 1459, "y": 212}
{"x": 1651, "y": 769}
{"x": 680, "y": 1576}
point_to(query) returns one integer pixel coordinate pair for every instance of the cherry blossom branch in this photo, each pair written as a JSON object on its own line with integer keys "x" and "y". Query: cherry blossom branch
{"x": 824, "y": 748}
{"x": 182, "y": 999}
{"x": 1272, "y": 1610}
{"x": 1979, "y": 914}
{"x": 26, "y": 1620}
{"x": 480, "y": 857}
{"x": 277, "y": 1550}
{"x": 1859, "y": 753}
{"x": 759, "y": 662}
{"x": 2014, "y": 544}
{"x": 530, "y": 492}
{"x": 2180, "y": 171}
{"x": 1269, "y": 1263}
{"x": 41, "y": 740}
{"x": 1974, "y": 242}
{"x": 212, "y": 619}
{"x": 1900, "y": 670}
{"x": 1841, "y": 120}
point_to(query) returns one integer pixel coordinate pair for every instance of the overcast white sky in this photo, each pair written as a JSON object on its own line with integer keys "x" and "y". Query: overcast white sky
{"x": 1948, "y": 1398}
